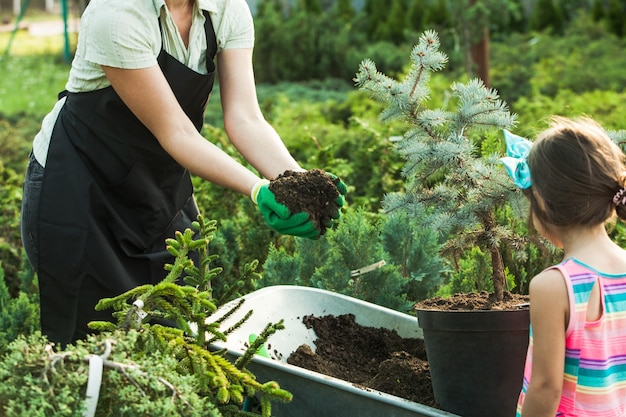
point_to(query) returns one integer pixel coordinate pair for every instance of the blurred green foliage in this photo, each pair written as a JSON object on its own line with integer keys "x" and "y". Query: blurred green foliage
{"x": 308, "y": 95}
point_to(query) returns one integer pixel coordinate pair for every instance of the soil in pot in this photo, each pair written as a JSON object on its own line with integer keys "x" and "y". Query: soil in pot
{"x": 375, "y": 358}
{"x": 475, "y": 301}
{"x": 312, "y": 191}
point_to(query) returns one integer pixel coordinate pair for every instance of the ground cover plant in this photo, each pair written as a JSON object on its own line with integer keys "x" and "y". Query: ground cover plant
{"x": 148, "y": 368}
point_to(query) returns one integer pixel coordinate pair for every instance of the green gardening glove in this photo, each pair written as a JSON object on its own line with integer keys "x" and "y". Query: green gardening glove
{"x": 327, "y": 222}
{"x": 277, "y": 215}
{"x": 343, "y": 190}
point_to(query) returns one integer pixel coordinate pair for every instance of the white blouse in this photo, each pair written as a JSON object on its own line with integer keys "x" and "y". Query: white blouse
{"x": 126, "y": 34}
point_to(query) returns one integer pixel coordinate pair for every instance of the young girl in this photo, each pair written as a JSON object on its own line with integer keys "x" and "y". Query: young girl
{"x": 576, "y": 364}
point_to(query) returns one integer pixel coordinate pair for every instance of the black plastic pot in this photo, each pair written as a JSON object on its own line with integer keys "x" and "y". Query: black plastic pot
{"x": 476, "y": 359}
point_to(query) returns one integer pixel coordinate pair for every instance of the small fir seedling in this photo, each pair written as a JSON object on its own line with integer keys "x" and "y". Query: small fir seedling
{"x": 191, "y": 306}
{"x": 450, "y": 185}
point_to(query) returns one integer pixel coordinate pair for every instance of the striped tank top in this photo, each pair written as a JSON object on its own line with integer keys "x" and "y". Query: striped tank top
{"x": 594, "y": 380}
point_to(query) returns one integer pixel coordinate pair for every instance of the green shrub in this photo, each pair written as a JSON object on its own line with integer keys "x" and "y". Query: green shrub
{"x": 10, "y": 238}
{"x": 603, "y": 106}
{"x": 415, "y": 250}
{"x": 587, "y": 57}
{"x": 19, "y": 314}
{"x": 411, "y": 269}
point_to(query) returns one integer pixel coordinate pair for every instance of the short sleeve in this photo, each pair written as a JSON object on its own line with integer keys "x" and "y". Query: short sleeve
{"x": 237, "y": 27}
{"x": 122, "y": 36}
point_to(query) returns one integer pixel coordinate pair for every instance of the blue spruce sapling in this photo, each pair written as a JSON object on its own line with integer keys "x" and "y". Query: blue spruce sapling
{"x": 450, "y": 184}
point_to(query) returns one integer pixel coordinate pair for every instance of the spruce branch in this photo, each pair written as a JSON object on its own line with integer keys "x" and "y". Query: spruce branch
{"x": 221, "y": 335}
{"x": 248, "y": 279}
{"x": 269, "y": 330}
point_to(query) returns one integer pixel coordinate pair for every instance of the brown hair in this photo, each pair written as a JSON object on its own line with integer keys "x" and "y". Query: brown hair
{"x": 576, "y": 169}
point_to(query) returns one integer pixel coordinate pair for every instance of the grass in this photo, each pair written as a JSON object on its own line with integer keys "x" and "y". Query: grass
{"x": 33, "y": 70}
{"x": 29, "y": 84}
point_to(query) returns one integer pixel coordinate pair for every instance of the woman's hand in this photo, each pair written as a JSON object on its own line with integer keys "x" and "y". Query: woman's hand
{"x": 278, "y": 217}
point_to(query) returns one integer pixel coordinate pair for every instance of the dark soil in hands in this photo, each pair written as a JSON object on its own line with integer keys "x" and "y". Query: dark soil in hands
{"x": 312, "y": 191}
{"x": 375, "y": 358}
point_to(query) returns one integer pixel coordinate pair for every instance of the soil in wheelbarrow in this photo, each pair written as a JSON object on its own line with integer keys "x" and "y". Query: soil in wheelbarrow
{"x": 379, "y": 358}
{"x": 375, "y": 358}
{"x": 312, "y": 191}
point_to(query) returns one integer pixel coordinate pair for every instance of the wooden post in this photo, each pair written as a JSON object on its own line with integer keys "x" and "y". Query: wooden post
{"x": 480, "y": 57}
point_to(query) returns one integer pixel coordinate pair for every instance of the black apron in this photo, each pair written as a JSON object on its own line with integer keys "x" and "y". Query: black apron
{"x": 110, "y": 196}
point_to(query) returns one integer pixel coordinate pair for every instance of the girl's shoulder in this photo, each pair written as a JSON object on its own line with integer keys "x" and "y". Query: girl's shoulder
{"x": 549, "y": 297}
{"x": 549, "y": 280}
{"x": 610, "y": 265}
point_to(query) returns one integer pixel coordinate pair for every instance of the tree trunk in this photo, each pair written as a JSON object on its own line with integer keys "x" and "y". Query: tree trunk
{"x": 497, "y": 276}
{"x": 497, "y": 264}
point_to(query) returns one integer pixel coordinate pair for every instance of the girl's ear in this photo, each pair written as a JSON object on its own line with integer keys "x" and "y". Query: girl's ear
{"x": 540, "y": 201}
{"x": 546, "y": 230}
